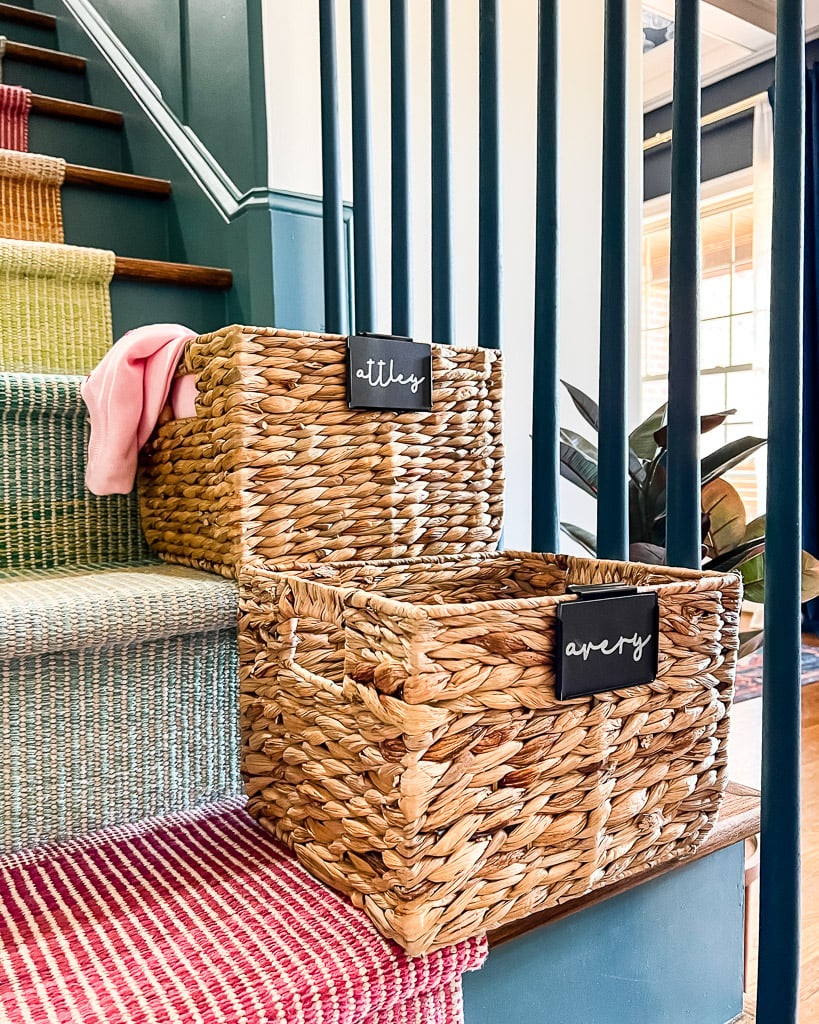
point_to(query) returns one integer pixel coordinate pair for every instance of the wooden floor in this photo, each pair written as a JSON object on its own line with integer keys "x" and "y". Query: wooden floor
{"x": 809, "y": 985}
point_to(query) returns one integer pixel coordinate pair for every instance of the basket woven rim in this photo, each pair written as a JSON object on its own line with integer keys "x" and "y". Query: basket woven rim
{"x": 356, "y": 596}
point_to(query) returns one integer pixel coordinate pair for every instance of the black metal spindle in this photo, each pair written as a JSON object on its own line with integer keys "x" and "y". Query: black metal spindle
{"x": 545, "y": 411}
{"x": 363, "y": 242}
{"x": 400, "y": 150}
{"x": 489, "y": 246}
{"x": 779, "y": 893}
{"x": 332, "y": 213}
{"x": 684, "y": 502}
{"x": 443, "y": 325}
{"x": 612, "y": 495}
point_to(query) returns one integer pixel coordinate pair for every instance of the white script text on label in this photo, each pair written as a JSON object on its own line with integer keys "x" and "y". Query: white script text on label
{"x": 636, "y": 642}
{"x": 382, "y": 380}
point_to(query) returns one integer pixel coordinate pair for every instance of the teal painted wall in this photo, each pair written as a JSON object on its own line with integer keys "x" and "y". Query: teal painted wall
{"x": 274, "y": 245}
{"x": 200, "y": 55}
{"x": 668, "y": 952}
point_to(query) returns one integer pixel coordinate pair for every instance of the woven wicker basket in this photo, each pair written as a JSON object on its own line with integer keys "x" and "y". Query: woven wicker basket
{"x": 401, "y": 734}
{"x": 275, "y": 464}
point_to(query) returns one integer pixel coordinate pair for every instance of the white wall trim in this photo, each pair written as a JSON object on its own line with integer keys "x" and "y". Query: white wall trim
{"x": 659, "y": 208}
{"x": 758, "y": 57}
{"x": 197, "y": 159}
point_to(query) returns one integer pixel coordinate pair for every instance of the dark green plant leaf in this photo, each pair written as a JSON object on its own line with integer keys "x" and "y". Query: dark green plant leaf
{"x": 582, "y": 537}
{"x": 722, "y": 504}
{"x": 587, "y": 407}
{"x": 641, "y": 439}
{"x": 755, "y": 529}
{"x": 580, "y": 443}
{"x": 578, "y": 469}
{"x": 749, "y": 642}
{"x": 654, "y": 500}
{"x": 728, "y": 456}
{"x": 708, "y": 422}
{"x": 753, "y": 577}
{"x": 651, "y": 554}
{"x": 637, "y": 527}
{"x": 732, "y": 559}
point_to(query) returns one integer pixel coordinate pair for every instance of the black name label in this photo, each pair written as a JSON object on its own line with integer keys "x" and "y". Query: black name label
{"x": 384, "y": 373}
{"x": 606, "y": 644}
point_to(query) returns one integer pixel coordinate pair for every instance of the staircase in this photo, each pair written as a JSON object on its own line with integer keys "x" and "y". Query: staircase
{"x": 134, "y": 887}
{"x": 116, "y": 671}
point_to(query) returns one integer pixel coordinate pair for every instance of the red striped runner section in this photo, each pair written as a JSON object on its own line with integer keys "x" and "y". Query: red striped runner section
{"x": 15, "y": 104}
{"x": 201, "y": 917}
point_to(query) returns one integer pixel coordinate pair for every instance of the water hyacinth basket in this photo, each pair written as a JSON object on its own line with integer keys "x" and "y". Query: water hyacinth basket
{"x": 402, "y": 735}
{"x": 276, "y": 465}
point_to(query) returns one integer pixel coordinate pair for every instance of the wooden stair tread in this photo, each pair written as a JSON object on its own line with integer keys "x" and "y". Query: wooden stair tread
{"x": 76, "y": 174}
{"x": 172, "y": 273}
{"x": 25, "y": 16}
{"x": 45, "y": 57}
{"x": 738, "y": 820}
{"x": 75, "y": 111}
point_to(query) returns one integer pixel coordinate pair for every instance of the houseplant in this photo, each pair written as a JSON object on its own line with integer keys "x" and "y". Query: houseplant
{"x": 729, "y": 540}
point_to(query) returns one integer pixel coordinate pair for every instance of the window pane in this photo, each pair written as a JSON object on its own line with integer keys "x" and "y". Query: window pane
{"x": 745, "y": 478}
{"x": 742, "y": 339}
{"x": 655, "y": 393}
{"x": 655, "y": 352}
{"x": 715, "y": 296}
{"x": 738, "y": 427}
{"x": 742, "y": 291}
{"x": 743, "y": 236}
{"x": 713, "y": 439}
{"x": 656, "y": 313}
{"x": 715, "y": 342}
{"x": 727, "y": 328}
{"x": 741, "y": 393}
{"x": 716, "y": 265}
{"x": 712, "y": 392}
{"x": 656, "y": 264}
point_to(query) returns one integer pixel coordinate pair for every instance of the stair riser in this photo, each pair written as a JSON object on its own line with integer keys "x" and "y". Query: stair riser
{"x": 30, "y": 34}
{"x": 46, "y": 81}
{"x": 47, "y": 516}
{"x": 93, "y": 145}
{"x": 139, "y": 302}
{"x": 132, "y": 225}
{"x": 104, "y": 736}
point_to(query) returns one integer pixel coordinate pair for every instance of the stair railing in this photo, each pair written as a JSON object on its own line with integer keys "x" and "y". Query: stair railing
{"x": 779, "y": 892}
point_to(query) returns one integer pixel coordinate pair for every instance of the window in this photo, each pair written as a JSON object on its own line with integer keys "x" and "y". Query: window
{"x": 727, "y": 326}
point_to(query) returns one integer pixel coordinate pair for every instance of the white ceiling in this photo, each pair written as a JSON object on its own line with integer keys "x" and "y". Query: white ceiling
{"x": 729, "y": 44}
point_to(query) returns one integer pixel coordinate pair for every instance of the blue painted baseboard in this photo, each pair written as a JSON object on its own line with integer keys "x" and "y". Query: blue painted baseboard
{"x": 667, "y": 952}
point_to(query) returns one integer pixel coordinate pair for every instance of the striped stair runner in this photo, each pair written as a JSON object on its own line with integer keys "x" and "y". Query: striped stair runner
{"x": 30, "y": 205}
{"x": 202, "y": 917}
{"x": 15, "y": 104}
{"x": 118, "y": 697}
{"x": 55, "y": 309}
{"x": 47, "y": 516}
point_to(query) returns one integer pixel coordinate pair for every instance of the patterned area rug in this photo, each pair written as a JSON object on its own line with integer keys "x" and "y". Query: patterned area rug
{"x": 15, "y": 104}
{"x": 30, "y": 205}
{"x": 202, "y": 917}
{"x": 749, "y": 673}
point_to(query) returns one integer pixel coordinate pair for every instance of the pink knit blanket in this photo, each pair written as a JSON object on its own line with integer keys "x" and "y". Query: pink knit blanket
{"x": 200, "y": 916}
{"x": 15, "y": 104}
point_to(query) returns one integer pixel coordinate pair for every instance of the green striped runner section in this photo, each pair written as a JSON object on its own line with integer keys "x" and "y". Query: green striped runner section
{"x": 119, "y": 697}
{"x": 47, "y": 515}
